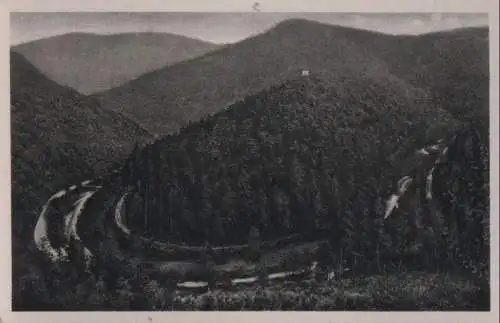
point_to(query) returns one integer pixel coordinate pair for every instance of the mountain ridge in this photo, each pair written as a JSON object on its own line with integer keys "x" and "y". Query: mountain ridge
{"x": 91, "y": 62}
{"x": 206, "y": 84}
{"x": 166, "y": 99}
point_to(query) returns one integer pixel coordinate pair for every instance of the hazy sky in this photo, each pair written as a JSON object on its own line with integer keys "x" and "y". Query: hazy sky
{"x": 222, "y": 27}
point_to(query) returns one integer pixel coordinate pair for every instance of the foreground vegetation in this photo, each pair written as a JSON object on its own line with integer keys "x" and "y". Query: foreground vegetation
{"x": 401, "y": 291}
{"x": 404, "y": 291}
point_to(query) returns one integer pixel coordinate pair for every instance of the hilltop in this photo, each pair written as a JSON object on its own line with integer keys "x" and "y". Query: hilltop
{"x": 92, "y": 63}
{"x": 167, "y": 99}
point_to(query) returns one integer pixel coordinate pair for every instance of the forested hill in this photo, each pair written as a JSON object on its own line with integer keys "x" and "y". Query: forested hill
{"x": 463, "y": 195}
{"x": 167, "y": 99}
{"x": 58, "y": 137}
{"x": 311, "y": 153}
{"x": 452, "y": 66}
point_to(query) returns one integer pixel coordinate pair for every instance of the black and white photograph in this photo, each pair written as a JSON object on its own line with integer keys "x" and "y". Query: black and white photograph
{"x": 250, "y": 161}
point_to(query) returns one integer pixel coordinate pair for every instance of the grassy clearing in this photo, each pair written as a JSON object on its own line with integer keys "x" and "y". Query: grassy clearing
{"x": 405, "y": 291}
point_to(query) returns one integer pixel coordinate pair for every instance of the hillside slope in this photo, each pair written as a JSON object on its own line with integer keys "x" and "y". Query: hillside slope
{"x": 453, "y": 66}
{"x": 59, "y": 136}
{"x": 91, "y": 63}
{"x": 286, "y": 160}
{"x": 313, "y": 155}
{"x": 169, "y": 98}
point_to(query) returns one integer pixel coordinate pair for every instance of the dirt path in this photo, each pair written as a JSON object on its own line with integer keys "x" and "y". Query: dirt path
{"x": 71, "y": 232}
{"x": 40, "y": 235}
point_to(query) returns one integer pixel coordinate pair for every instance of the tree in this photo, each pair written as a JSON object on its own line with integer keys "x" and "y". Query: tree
{"x": 254, "y": 251}
{"x": 325, "y": 256}
{"x": 207, "y": 260}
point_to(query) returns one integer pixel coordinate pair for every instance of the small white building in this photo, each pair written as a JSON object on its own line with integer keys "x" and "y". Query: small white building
{"x": 305, "y": 72}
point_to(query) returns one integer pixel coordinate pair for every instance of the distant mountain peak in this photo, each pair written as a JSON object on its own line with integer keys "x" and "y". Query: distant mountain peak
{"x": 298, "y": 23}
{"x": 90, "y": 63}
{"x": 85, "y": 35}
{"x": 301, "y": 24}
{"x": 170, "y": 97}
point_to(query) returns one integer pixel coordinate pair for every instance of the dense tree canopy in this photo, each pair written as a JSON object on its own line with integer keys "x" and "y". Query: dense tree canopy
{"x": 301, "y": 156}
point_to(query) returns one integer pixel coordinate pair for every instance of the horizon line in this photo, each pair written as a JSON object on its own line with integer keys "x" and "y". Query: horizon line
{"x": 112, "y": 33}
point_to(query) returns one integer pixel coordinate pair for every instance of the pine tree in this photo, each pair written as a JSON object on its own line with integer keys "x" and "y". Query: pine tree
{"x": 254, "y": 244}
